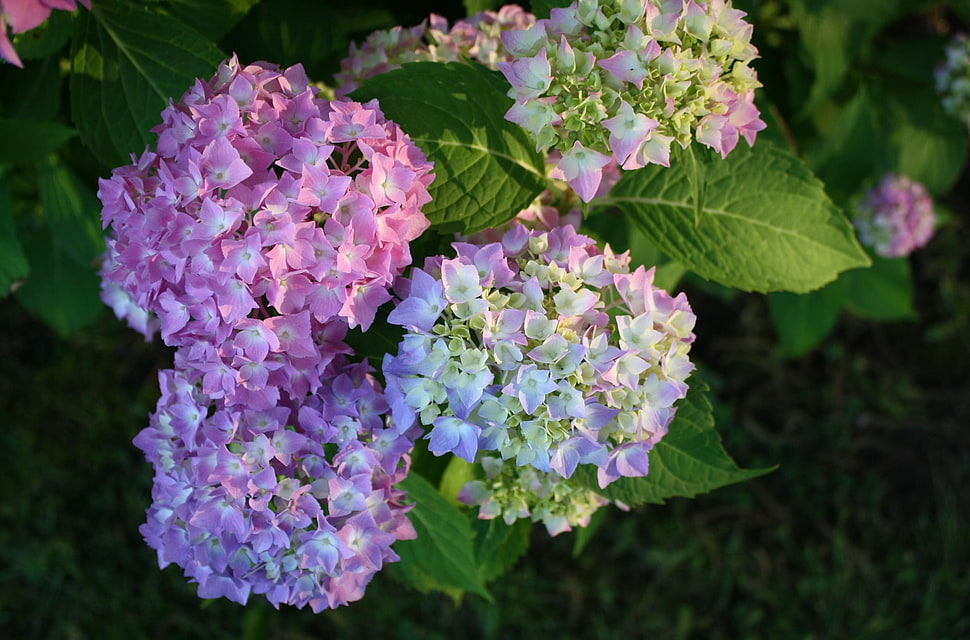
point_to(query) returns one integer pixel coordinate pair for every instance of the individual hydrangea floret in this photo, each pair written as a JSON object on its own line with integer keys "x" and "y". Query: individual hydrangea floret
{"x": 953, "y": 79}
{"x": 24, "y": 15}
{"x": 896, "y": 217}
{"x": 620, "y": 80}
{"x": 541, "y": 349}
{"x": 264, "y": 213}
{"x": 474, "y": 38}
{"x": 295, "y": 502}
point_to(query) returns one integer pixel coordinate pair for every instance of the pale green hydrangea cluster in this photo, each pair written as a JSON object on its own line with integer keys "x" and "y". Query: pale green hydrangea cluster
{"x": 512, "y": 492}
{"x": 620, "y": 80}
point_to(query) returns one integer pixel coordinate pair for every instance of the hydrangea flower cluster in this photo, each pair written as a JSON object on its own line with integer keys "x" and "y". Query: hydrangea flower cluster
{"x": 476, "y": 38}
{"x": 513, "y": 492}
{"x": 896, "y": 217}
{"x": 294, "y": 502}
{"x": 544, "y": 350}
{"x": 620, "y": 80}
{"x": 24, "y": 15}
{"x": 953, "y": 78}
{"x": 265, "y": 224}
{"x": 262, "y": 202}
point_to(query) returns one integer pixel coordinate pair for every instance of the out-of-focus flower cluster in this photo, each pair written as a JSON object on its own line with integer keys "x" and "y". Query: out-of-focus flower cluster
{"x": 620, "y": 80}
{"x": 24, "y": 15}
{"x": 475, "y": 38}
{"x": 953, "y": 79}
{"x": 543, "y": 350}
{"x": 895, "y": 217}
{"x": 294, "y": 502}
{"x": 264, "y": 224}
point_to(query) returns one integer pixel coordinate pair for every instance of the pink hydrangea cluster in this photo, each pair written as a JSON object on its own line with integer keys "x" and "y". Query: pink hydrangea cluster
{"x": 263, "y": 201}
{"x": 266, "y": 222}
{"x": 953, "y": 78}
{"x": 620, "y": 80}
{"x": 295, "y": 502}
{"x": 476, "y": 38}
{"x": 542, "y": 349}
{"x": 24, "y": 15}
{"x": 896, "y": 217}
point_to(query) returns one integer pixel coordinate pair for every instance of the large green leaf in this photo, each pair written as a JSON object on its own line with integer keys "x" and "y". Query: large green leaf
{"x": 803, "y": 320}
{"x": 844, "y": 158}
{"x": 486, "y": 168}
{"x": 688, "y": 461}
{"x": 924, "y": 143}
{"x": 882, "y": 292}
{"x": 126, "y": 63}
{"x": 72, "y": 212}
{"x": 443, "y": 555}
{"x": 499, "y": 545}
{"x": 212, "y": 18}
{"x": 757, "y": 220}
{"x": 13, "y": 262}
{"x": 834, "y": 33}
{"x": 26, "y": 141}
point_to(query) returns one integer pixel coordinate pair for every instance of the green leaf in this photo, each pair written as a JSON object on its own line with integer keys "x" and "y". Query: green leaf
{"x": 51, "y": 35}
{"x": 688, "y": 461}
{"x": 443, "y": 555}
{"x": 882, "y": 292}
{"x": 126, "y": 63}
{"x": 60, "y": 294}
{"x": 477, "y": 6}
{"x": 31, "y": 95}
{"x": 843, "y": 160}
{"x": 26, "y": 141}
{"x": 585, "y": 534}
{"x": 765, "y": 222}
{"x": 834, "y": 33}
{"x": 499, "y": 545}
{"x": 314, "y": 34}
{"x": 72, "y": 212}
{"x": 212, "y": 18}
{"x": 924, "y": 143}
{"x": 802, "y": 321}
{"x": 13, "y": 263}
{"x": 486, "y": 169}
{"x": 541, "y": 8}
{"x": 456, "y": 474}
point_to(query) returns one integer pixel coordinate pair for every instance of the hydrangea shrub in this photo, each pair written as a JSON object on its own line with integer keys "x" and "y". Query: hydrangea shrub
{"x": 442, "y": 214}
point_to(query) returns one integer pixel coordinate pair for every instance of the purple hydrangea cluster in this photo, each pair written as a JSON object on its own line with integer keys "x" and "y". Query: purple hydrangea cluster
{"x": 295, "y": 502}
{"x": 620, "y": 80}
{"x": 475, "y": 38}
{"x": 953, "y": 78}
{"x": 266, "y": 222}
{"x": 896, "y": 217}
{"x": 542, "y": 349}
{"x": 24, "y": 15}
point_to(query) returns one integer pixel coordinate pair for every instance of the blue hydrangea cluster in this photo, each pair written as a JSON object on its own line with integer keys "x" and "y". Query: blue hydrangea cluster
{"x": 952, "y": 77}
{"x": 542, "y": 350}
